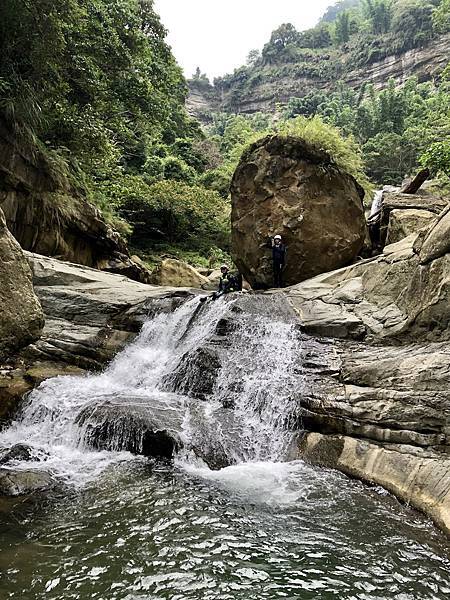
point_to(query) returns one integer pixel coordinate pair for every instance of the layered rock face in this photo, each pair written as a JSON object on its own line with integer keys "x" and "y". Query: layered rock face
{"x": 274, "y": 88}
{"x": 47, "y": 216}
{"x": 285, "y": 186}
{"x": 21, "y": 317}
{"x": 404, "y": 214}
{"x": 379, "y": 407}
{"x": 90, "y": 315}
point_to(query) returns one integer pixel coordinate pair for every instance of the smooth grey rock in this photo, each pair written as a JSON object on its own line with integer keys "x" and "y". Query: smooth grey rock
{"x": 17, "y": 482}
{"x": 92, "y": 314}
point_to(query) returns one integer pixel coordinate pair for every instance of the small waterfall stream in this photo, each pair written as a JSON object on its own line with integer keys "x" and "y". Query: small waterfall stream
{"x": 224, "y": 378}
{"x": 254, "y": 381}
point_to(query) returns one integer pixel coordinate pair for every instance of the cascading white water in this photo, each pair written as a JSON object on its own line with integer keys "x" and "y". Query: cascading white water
{"x": 377, "y": 202}
{"x": 256, "y": 376}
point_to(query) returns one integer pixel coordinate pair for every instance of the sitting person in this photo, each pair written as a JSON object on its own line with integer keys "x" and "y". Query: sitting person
{"x": 228, "y": 283}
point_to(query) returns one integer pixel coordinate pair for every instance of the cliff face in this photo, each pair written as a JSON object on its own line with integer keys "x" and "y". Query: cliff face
{"x": 46, "y": 215}
{"x": 424, "y": 63}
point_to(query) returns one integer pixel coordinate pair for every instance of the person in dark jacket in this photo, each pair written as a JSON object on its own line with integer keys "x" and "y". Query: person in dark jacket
{"x": 279, "y": 260}
{"x": 228, "y": 283}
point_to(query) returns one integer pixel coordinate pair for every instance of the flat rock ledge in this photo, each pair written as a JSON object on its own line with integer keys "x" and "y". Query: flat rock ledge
{"x": 418, "y": 477}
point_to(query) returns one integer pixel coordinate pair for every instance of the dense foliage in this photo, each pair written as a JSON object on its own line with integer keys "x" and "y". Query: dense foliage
{"x": 93, "y": 84}
{"x": 395, "y": 127}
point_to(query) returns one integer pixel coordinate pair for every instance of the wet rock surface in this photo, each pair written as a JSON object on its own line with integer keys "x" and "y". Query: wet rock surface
{"x": 90, "y": 314}
{"x": 18, "y": 482}
{"x": 144, "y": 428}
{"x": 379, "y": 408}
{"x": 285, "y": 186}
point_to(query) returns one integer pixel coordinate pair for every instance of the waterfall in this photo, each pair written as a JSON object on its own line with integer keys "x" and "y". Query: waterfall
{"x": 246, "y": 417}
{"x": 377, "y": 202}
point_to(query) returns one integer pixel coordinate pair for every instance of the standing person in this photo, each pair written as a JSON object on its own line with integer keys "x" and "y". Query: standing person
{"x": 279, "y": 260}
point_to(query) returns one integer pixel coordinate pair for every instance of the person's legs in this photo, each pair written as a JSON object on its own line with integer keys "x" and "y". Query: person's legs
{"x": 278, "y": 274}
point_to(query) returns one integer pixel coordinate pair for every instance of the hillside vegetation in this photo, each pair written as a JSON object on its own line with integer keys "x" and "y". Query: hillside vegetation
{"x": 396, "y": 130}
{"x": 94, "y": 87}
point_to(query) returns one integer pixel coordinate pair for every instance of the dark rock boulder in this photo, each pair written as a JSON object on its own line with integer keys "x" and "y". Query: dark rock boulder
{"x": 196, "y": 374}
{"x": 284, "y": 185}
{"x": 20, "y": 452}
{"x": 133, "y": 425}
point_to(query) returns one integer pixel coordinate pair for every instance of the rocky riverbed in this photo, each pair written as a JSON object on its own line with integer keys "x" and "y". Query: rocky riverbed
{"x": 368, "y": 389}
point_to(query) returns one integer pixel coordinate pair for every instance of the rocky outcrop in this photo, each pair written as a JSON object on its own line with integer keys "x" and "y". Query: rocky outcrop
{"x": 436, "y": 243}
{"x": 404, "y": 214}
{"x": 140, "y": 427}
{"x": 177, "y": 273}
{"x": 379, "y": 405}
{"x": 48, "y": 216}
{"x": 419, "y": 477}
{"x": 283, "y": 185}
{"x": 403, "y": 223}
{"x": 90, "y": 314}
{"x": 264, "y": 92}
{"x": 21, "y": 317}
{"x": 390, "y": 296}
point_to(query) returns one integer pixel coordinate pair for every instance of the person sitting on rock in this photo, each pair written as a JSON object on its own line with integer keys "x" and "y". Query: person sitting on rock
{"x": 278, "y": 259}
{"x": 228, "y": 283}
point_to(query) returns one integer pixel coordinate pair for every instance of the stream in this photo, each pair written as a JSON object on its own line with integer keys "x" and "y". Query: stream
{"x": 125, "y": 527}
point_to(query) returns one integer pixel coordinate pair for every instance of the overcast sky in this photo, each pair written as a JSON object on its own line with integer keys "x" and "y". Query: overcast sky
{"x": 217, "y": 35}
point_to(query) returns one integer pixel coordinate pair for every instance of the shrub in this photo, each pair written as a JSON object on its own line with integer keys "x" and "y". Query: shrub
{"x": 174, "y": 212}
{"x": 344, "y": 151}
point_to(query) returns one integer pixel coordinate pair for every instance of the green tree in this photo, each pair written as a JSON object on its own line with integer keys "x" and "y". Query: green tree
{"x": 379, "y": 15}
{"x": 441, "y": 17}
{"x": 437, "y": 158}
{"x": 342, "y": 28}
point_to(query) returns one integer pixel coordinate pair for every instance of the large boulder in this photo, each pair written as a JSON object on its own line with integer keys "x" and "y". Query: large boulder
{"x": 285, "y": 185}
{"x": 21, "y": 317}
{"x": 437, "y": 240}
{"x": 403, "y": 214}
{"x": 403, "y": 223}
{"x": 176, "y": 273}
{"x": 145, "y": 426}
